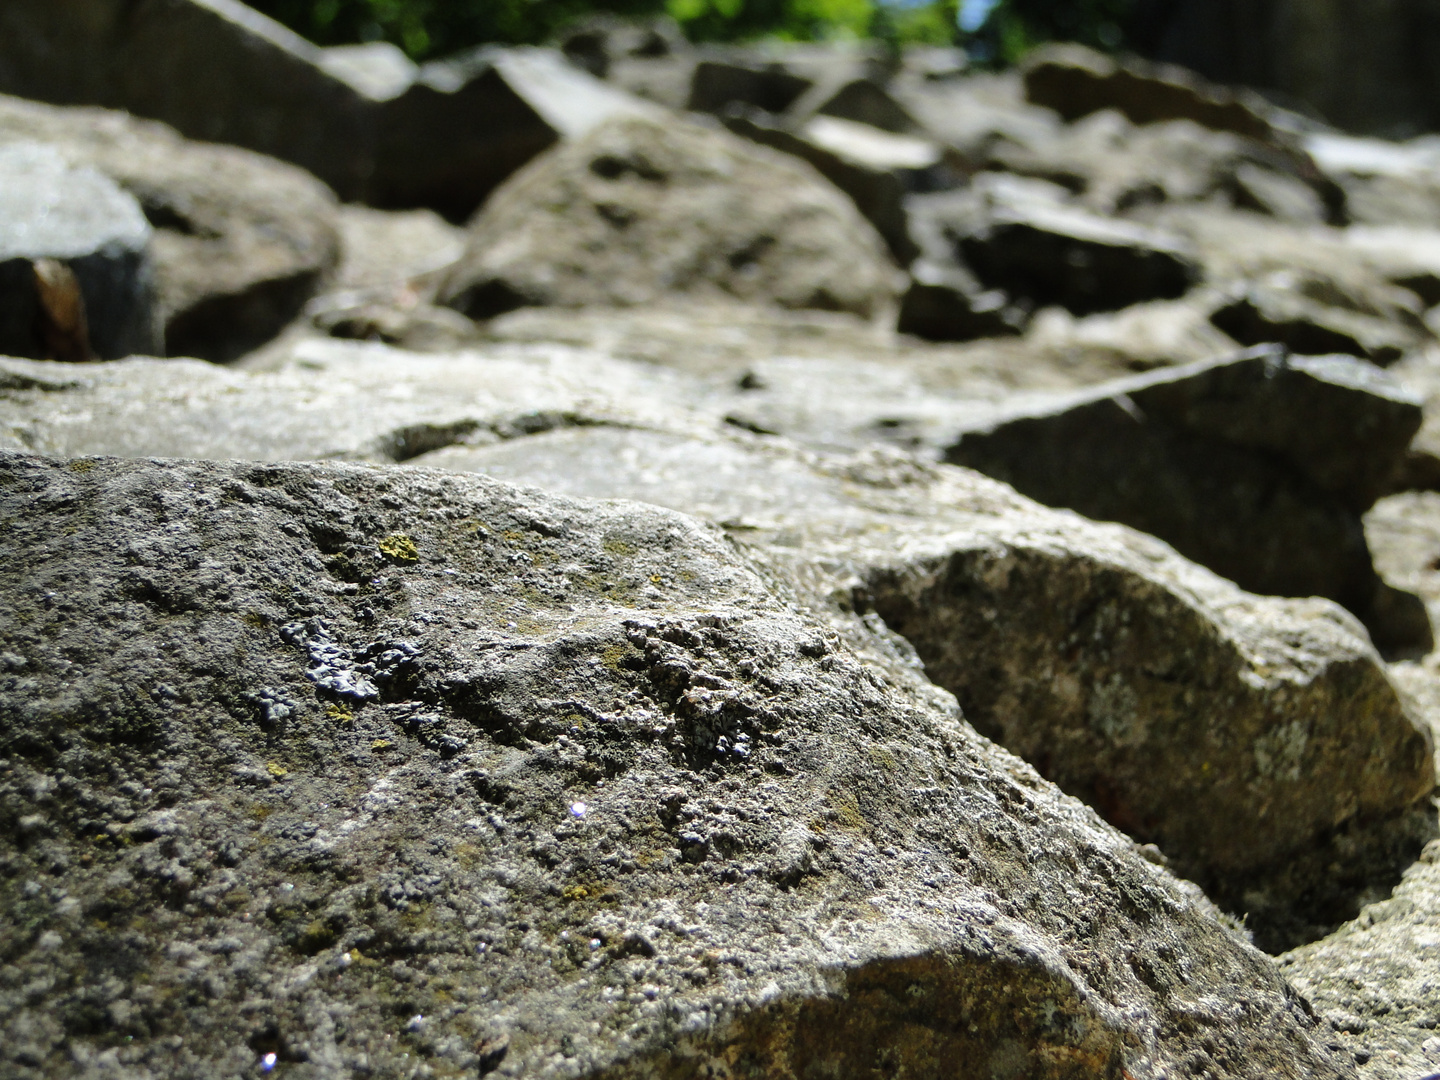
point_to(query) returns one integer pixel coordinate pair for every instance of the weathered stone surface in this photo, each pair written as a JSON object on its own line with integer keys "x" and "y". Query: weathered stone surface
{"x": 639, "y": 209}
{"x": 1256, "y": 466}
{"x": 1088, "y": 649}
{"x": 213, "y": 69}
{"x": 76, "y": 274}
{"x": 874, "y": 167}
{"x": 1076, "y": 81}
{"x": 240, "y": 242}
{"x": 444, "y": 135}
{"x": 486, "y": 780}
{"x": 380, "y": 248}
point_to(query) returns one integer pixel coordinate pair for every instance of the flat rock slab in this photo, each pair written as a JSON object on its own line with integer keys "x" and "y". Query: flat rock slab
{"x": 366, "y": 768}
{"x": 1121, "y": 671}
{"x": 76, "y": 273}
{"x": 1257, "y": 466}
{"x": 641, "y": 209}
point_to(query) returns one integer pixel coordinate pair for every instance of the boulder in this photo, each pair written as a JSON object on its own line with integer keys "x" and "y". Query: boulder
{"x": 1076, "y": 81}
{"x": 475, "y": 779}
{"x": 875, "y": 168}
{"x": 639, "y": 209}
{"x": 1257, "y": 466}
{"x": 369, "y": 124}
{"x": 1090, "y": 650}
{"x": 381, "y": 248}
{"x": 718, "y": 85}
{"x": 1026, "y": 239}
{"x": 240, "y": 241}
{"x": 76, "y": 273}
{"x": 468, "y": 123}
{"x": 1372, "y": 982}
{"x": 1385, "y": 182}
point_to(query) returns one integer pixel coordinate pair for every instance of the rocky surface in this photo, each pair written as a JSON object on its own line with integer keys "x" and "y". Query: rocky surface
{"x": 1257, "y": 466}
{"x": 341, "y": 824}
{"x": 240, "y": 242}
{"x": 640, "y": 209}
{"x": 76, "y": 273}
{"x": 394, "y": 770}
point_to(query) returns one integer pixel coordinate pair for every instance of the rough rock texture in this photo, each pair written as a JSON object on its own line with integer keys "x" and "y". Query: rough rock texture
{"x": 1257, "y": 466}
{"x": 484, "y": 780}
{"x": 76, "y": 275}
{"x": 1088, "y": 650}
{"x": 241, "y": 242}
{"x": 639, "y": 208}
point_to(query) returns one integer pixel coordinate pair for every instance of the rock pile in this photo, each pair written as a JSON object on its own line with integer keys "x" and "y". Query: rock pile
{"x": 604, "y": 638}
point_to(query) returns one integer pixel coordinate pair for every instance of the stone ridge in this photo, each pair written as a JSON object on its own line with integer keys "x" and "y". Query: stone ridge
{"x": 371, "y": 768}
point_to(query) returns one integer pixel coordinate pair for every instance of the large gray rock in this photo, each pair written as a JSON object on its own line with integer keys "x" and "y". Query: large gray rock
{"x": 1091, "y": 651}
{"x": 473, "y": 779}
{"x": 76, "y": 274}
{"x": 374, "y": 129}
{"x": 641, "y": 209}
{"x": 240, "y": 241}
{"x": 1257, "y": 466}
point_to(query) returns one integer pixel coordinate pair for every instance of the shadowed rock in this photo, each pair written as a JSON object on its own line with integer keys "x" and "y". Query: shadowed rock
{"x": 511, "y": 782}
{"x": 1256, "y": 466}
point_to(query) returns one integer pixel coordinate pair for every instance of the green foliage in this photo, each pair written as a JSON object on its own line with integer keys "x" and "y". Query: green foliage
{"x": 427, "y": 28}
{"x": 1015, "y": 27}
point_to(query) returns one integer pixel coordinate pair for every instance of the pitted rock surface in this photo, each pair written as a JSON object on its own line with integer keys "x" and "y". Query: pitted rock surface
{"x": 613, "y": 808}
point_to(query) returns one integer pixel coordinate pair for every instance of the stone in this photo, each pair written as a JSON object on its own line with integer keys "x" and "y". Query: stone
{"x": 639, "y": 209}
{"x": 1041, "y": 249}
{"x": 719, "y": 85}
{"x": 215, "y": 70}
{"x": 240, "y": 242}
{"x": 369, "y": 125}
{"x": 874, "y": 167}
{"x": 1305, "y": 326}
{"x": 381, "y": 248}
{"x": 859, "y": 100}
{"x": 941, "y": 305}
{"x": 1114, "y": 166}
{"x": 76, "y": 273}
{"x": 1385, "y": 183}
{"x": 479, "y": 779}
{"x": 1076, "y": 81}
{"x": 469, "y": 123}
{"x": 989, "y": 589}
{"x": 1257, "y": 466}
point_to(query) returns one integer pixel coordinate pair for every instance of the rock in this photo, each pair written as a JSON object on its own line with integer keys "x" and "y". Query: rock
{"x": 1040, "y": 249}
{"x": 469, "y": 123}
{"x": 639, "y": 209}
{"x": 240, "y": 241}
{"x": 858, "y": 100}
{"x": 1076, "y": 81}
{"x": 1114, "y": 166}
{"x": 1385, "y": 183}
{"x": 214, "y": 70}
{"x": 940, "y": 305}
{"x": 372, "y": 127}
{"x": 1372, "y": 981}
{"x": 380, "y": 248}
{"x": 719, "y": 85}
{"x": 874, "y": 167}
{"x": 990, "y": 589}
{"x": 1256, "y": 466}
{"x": 510, "y": 782}
{"x": 1288, "y": 318}
{"x": 76, "y": 274}
{"x": 1142, "y": 337}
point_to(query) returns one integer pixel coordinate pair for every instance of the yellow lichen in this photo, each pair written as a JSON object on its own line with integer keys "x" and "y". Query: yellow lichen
{"x": 381, "y": 745}
{"x": 340, "y": 714}
{"x": 278, "y": 771}
{"x": 400, "y": 548}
